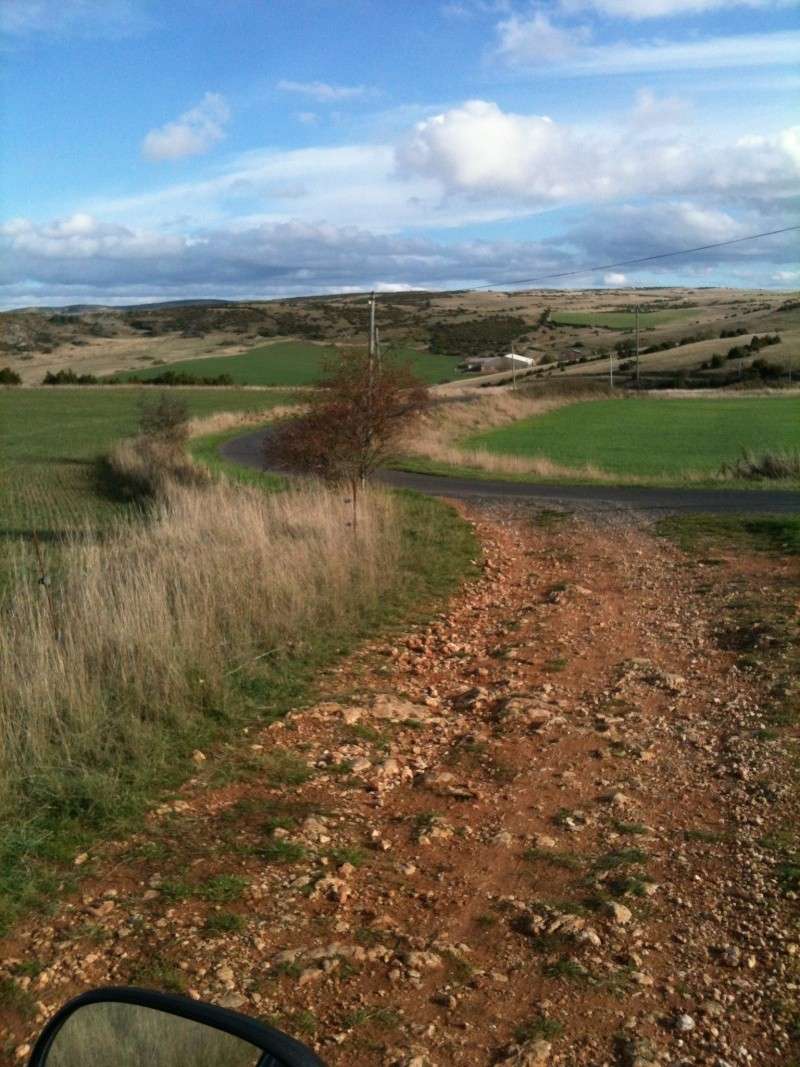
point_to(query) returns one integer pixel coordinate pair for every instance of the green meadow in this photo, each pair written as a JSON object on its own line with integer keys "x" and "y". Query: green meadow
{"x": 652, "y": 437}
{"x": 52, "y": 441}
{"x": 292, "y": 363}
{"x": 624, "y": 320}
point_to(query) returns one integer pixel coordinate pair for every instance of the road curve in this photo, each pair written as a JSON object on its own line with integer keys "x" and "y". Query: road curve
{"x": 248, "y": 451}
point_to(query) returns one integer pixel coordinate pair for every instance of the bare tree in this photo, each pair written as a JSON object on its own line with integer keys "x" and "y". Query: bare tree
{"x": 353, "y": 422}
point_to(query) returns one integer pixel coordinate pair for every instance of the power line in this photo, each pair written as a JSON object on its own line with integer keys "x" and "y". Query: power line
{"x": 627, "y": 262}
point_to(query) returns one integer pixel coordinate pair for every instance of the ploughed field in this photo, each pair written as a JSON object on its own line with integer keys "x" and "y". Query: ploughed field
{"x": 652, "y": 436}
{"x": 292, "y": 363}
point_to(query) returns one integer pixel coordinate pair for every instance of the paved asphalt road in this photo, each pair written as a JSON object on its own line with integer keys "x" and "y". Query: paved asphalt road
{"x": 247, "y": 450}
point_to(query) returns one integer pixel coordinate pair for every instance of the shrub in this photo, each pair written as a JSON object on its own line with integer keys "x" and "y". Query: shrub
{"x": 69, "y": 377}
{"x": 165, "y": 419}
{"x": 9, "y": 377}
{"x": 773, "y": 465}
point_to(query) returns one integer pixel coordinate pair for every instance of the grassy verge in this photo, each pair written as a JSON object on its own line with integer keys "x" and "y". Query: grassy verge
{"x": 206, "y": 450}
{"x": 704, "y": 534}
{"x": 424, "y": 465}
{"x": 62, "y": 801}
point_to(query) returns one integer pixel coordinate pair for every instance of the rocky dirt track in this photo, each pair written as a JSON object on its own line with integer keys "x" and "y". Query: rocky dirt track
{"x": 547, "y": 829}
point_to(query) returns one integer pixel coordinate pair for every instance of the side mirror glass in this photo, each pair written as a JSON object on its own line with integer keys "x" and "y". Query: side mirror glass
{"x": 127, "y": 1027}
{"x": 134, "y": 1036}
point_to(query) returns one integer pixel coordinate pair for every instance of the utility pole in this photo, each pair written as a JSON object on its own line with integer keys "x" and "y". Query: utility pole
{"x": 637, "y": 346}
{"x": 513, "y": 369}
{"x": 372, "y": 344}
{"x": 611, "y": 367}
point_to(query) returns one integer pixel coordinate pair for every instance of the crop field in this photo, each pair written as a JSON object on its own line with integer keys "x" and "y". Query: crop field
{"x": 292, "y": 363}
{"x": 651, "y": 437}
{"x": 626, "y": 320}
{"x": 50, "y": 443}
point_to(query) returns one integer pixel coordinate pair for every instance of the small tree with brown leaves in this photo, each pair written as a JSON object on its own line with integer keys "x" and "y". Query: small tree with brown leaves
{"x": 353, "y": 422}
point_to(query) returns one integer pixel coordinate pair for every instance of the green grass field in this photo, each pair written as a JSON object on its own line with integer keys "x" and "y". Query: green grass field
{"x": 291, "y": 363}
{"x": 52, "y": 439}
{"x": 624, "y": 320}
{"x": 652, "y": 437}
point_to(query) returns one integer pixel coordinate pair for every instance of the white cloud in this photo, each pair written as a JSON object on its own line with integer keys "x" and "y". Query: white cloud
{"x": 646, "y": 9}
{"x": 651, "y": 110}
{"x": 325, "y": 93}
{"x": 307, "y": 118}
{"x": 194, "y": 133}
{"x": 479, "y": 151}
{"x": 84, "y": 258}
{"x": 535, "y": 43}
{"x": 84, "y": 18}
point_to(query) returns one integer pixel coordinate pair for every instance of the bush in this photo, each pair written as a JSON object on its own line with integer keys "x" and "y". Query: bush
{"x": 171, "y": 377}
{"x": 165, "y": 419}
{"x": 771, "y": 465}
{"x": 69, "y": 377}
{"x": 9, "y": 377}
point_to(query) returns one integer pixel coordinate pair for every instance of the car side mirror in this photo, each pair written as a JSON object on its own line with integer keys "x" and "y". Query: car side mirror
{"x": 127, "y": 1027}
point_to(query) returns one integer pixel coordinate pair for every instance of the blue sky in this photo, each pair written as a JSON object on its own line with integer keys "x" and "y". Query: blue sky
{"x": 247, "y": 148}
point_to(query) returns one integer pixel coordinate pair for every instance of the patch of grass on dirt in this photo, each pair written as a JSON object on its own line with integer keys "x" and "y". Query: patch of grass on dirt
{"x": 539, "y": 1027}
{"x": 629, "y": 829}
{"x": 700, "y": 534}
{"x": 385, "y": 1018}
{"x": 620, "y": 858}
{"x": 554, "y": 666}
{"x": 356, "y": 857}
{"x": 711, "y": 837}
{"x": 568, "y": 860}
{"x": 160, "y": 974}
{"x": 279, "y": 851}
{"x": 220, "y": 923}
{"x": 14, "y": 998}
{"x": 302, "y": 1022}
{"x": 218, "y": 889}
{"x": 566, "y": 969}
{"x": 282, "y": 767}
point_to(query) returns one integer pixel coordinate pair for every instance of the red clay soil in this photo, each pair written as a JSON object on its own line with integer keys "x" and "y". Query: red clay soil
{"x": 540, "y": 830}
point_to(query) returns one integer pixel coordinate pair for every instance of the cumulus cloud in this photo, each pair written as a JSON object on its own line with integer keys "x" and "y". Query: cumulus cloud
{"x": 193, "y": 134}
{"x": 84, "y": 18}
{"x": 535, "y": 43}
{"x": 614, "y": 278}
{"x": 478, "y": 150}
{"x": 324, "y": 93}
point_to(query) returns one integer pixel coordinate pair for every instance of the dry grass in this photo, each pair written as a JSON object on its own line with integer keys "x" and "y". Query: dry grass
{"x": 436, "y": 434}
{"x": 222, "y": 421}
{"x": 138, "y": 635}
{"x": 772, "y": 465}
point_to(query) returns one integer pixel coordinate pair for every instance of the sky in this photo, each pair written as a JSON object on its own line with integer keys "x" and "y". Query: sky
{"x": 170, "y": 149}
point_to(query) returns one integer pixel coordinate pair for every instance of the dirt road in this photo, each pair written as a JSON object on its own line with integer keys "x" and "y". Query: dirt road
{"x": 547, "y": 828}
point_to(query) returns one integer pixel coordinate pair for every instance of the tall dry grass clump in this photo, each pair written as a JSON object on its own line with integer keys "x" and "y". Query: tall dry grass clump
{"x": 775, "y": 465}
{"x": 137, "y": 641}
